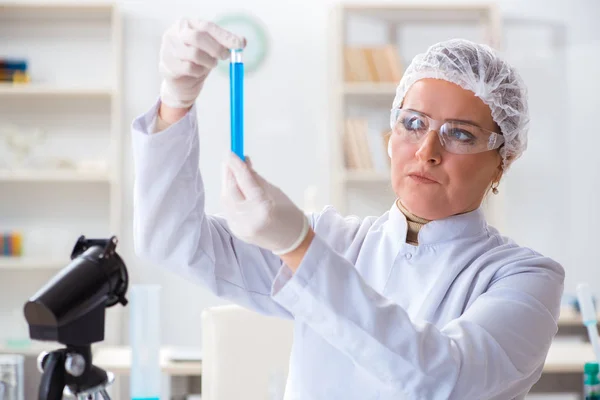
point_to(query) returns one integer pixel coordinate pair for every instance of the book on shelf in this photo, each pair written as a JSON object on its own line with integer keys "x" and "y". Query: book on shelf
{"x": 13, "y": 70}
{"x": 365, "y": 148}
{"x": 11, "y": 244}
{"x": 372, "y": 64}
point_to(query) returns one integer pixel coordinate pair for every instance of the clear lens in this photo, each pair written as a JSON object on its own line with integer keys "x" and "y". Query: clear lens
{"x": 456, "y": 137}
{"x": 410, "y": 125}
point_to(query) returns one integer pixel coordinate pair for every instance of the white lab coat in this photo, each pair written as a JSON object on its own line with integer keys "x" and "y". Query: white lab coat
{"x": 466, "y": 314}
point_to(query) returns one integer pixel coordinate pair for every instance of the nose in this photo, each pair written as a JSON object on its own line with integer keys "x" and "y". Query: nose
{"x": 430, "y": 150}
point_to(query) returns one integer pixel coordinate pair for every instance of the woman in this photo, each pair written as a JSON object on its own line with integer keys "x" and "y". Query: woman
{"x": 426, "y": 301}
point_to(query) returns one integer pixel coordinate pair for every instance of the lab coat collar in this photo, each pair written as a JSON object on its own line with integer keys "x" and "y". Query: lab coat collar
{"x": 397, "y": 225}
{"x": 469, "y": 224}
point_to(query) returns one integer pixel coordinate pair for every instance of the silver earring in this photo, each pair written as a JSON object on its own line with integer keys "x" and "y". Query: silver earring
{"x": 495, "y": 188}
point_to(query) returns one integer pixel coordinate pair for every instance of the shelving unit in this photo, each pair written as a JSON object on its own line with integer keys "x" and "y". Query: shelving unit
{"x": 32, "y": 350}
{"x": 32, "y": 90}
{"x": 31, "y": 263}
{"x": 369, "y": 89}
{"x": 410, "y": 29}
{"x": 53, "y": 176}
{"x": 74, "y": 53}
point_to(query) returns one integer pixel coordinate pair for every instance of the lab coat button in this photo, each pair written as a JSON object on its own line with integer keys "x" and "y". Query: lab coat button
{"x": 408, "y": 256}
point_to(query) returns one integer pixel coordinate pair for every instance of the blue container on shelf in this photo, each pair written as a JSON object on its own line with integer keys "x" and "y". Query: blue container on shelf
{"x": 13, "y": 64}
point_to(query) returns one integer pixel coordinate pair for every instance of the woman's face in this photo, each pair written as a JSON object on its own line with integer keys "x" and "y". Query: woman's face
{"x": 458, "y": 182}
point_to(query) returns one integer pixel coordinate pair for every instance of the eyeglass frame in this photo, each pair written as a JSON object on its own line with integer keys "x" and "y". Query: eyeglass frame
{"x": 496, "y": 139}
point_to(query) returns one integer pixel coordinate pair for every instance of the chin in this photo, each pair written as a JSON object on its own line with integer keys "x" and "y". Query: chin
{"x": 426, "y": 206}
{"x": 430, "y": 211}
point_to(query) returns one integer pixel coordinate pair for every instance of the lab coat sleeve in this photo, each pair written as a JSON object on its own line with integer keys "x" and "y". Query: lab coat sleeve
{"x": 499, "y": 343}
{"x": 171, "y": 228}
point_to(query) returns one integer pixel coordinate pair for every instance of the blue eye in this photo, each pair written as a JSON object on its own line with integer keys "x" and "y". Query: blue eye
{"x": 461, "y": 135}
{"x": 413, "y": 123}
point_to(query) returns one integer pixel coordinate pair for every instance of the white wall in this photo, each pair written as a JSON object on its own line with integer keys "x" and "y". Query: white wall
{"x": 287, "y": 111}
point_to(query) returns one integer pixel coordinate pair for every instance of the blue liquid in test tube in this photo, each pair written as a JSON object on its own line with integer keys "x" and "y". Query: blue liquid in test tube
{"x": 236, "y": 83}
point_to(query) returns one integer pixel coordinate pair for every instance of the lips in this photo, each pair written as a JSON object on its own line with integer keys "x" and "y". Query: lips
{"x": 422, "y": 177}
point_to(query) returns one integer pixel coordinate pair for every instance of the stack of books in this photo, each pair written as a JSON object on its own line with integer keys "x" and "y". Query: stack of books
{"x": 365, "y": 148}
{"x": 372, "y": 64}
{"x": 13, "y": 70}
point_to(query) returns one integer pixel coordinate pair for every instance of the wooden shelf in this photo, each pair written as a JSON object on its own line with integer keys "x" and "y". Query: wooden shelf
{"x": 57, "y": 6}
{"x": 117, "y": 359}
{"x": 373, "y": 7}
{"x": 30, "y": 263}
{"x": 57, "y": 10}
{"x": 31, "y": 350}
{"x": 370, "y": 88}
{"x": 35, "y": 89}
{"x": 52, "y": 176}
{"x": 568, "y": 357}
{"x": 569, "y": 317}
{"x": 366, "y": 176}
{"x": 422, "y": 12}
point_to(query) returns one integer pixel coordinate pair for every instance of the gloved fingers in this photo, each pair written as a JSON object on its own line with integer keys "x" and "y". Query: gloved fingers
{"x": 226, "y": 40}
{"x": 168, "y": 61}
{"x": 187, "y": 61}
{"x": 257, "y": 176}
{"x": 195, "y": 61}
{"x": 244, "y": 177}
{"x": 253, "y": 171}
{"x": 201, "y": 39}
{"x": 230, "y": 189}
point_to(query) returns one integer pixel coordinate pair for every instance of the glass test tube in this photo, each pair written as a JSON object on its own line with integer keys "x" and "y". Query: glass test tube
{"x": 236, "y": 85}
{"x": 144, "y": 335}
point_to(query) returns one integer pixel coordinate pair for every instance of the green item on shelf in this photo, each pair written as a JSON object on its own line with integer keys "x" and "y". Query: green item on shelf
{"x": 591, "y": 383}
{"x": 18, "y": 344}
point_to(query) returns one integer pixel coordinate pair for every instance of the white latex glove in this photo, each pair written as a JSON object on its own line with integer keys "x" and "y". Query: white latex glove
{"x": 258, "y": 212}
{"x": 190, "y": 49}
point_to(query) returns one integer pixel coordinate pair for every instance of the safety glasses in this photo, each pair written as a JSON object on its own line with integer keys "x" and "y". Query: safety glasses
{"x": 455, "y": 136}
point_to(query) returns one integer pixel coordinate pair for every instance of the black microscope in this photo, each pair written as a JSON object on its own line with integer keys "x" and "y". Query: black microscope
{"x": 70, "y": 309}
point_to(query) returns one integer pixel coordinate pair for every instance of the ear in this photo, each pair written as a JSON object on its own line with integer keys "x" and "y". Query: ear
{"x": 498, "y": 177}
{"x": 498, "y": 172}
{"x": 499, "y": 168}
